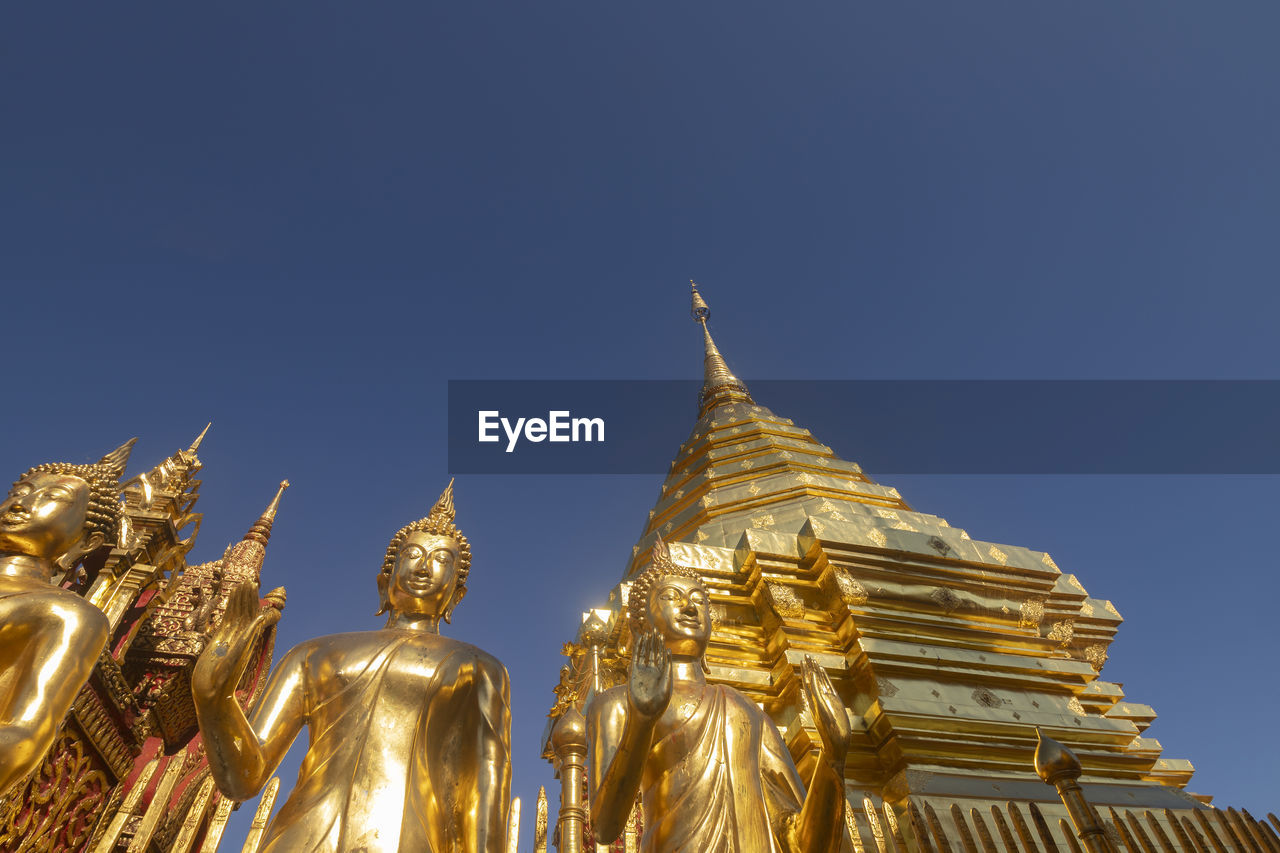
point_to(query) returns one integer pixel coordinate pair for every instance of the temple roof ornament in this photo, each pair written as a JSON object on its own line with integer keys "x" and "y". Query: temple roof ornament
{"x": 174, "y": 474}
{"x": 719, "y": 386}
{"x": 1052, "y": 760}
{"x": 195, "y": 445}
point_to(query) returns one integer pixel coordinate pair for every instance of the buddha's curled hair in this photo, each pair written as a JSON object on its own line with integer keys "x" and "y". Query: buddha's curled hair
{"x": 638, "y": 598}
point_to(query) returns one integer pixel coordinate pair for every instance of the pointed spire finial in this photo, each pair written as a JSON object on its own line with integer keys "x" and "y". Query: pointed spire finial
{"x": 260, "y": 532}
{"x": 719, "y": 385}
{"x": 701, "y": 311}
{"x": 195, "y": 445}
{"x": 275, "y": 502}
{"x": 540, "y": 822}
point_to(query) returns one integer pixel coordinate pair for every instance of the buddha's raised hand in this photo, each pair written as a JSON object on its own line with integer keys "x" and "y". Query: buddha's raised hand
{"x": 649, "y": 685}
{"x": 828, "y": 712}
{"x": 223, "y": 661}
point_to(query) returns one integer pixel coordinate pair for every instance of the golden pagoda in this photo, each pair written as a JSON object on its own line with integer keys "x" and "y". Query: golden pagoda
{"x": 128, "y": 771}
{"x": 970, "y": 670}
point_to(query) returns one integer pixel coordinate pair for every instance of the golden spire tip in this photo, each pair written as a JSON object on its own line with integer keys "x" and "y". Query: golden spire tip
{"x": 195, "y": 445}
{"x": 700, "y": 310}
{"x": 719, "y": 385}
{"x": 275, "y": 502}
{"x": 260, "y": 532}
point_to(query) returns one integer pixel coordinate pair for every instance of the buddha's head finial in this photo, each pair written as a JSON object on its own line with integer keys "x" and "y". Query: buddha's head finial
{"x": 83, "y": 513}
{"x": 436, "y": 528}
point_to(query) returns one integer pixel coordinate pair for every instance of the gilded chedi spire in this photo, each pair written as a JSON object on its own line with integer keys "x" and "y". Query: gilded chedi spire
{"x": 719, "y": 384}
{"x": 260, "y": 532}
{"x": 243, "y": 560}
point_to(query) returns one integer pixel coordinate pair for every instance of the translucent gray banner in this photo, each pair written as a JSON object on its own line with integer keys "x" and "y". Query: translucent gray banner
{"x": 889, "y": 426}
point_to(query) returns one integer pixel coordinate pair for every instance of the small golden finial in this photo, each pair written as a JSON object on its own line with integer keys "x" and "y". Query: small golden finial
{"x": 276, "y": 598}
{"x": 570, "y": 730}
{"x": 1054, "y": 761}
{"x": 275, "y": 502}
{"x": 540, "y": 822}
{"x": 701, "y": 311}
{"x": 260, "y": 532}
{"x": 195, "y": 445}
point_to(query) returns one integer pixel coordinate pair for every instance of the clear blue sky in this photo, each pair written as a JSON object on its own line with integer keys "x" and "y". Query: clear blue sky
{"x": 300, "y": 222}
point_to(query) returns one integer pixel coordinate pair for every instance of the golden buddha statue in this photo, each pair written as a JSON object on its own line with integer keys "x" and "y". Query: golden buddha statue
{"x": 50, "y": 639}
{"x": 711, "y": 768}
{"x": 409, "y": 731}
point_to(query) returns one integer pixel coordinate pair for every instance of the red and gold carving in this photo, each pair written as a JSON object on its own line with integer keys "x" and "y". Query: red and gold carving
{"x": 57, "y": 808}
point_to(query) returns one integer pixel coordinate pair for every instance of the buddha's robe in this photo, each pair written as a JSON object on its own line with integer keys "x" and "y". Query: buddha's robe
{"x": 50, "y": 640}
{"x": 719, "y": 780}
{"x": 409, "y": 743}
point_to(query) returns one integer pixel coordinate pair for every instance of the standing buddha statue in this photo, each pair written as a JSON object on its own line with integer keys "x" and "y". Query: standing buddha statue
{"x": 409, "y": 730}
{"x": 50, "y": 638}
{"x": 711, "y": 768}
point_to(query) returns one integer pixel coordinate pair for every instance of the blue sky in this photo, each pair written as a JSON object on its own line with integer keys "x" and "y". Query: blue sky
{"x": 299, "y": 223}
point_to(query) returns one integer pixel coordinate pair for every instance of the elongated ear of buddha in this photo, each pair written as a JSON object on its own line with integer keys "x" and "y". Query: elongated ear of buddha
{"x": 87, "y": 544}
{"x": 384, "y": 599}
{"x": 458, "y": 594}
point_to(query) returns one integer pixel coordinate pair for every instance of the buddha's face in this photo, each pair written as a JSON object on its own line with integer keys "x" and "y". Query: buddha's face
{"x": 425, "y": 575}
{"x": 44, "y": 515}
{"x": 680, "y": 611}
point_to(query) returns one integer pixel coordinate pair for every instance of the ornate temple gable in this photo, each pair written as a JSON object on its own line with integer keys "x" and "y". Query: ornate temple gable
{"x": 159, "y": 530}
{"x": 159, "y": 663}
{"x": 182, "y": 620}
{"x": 177, "y": 629}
